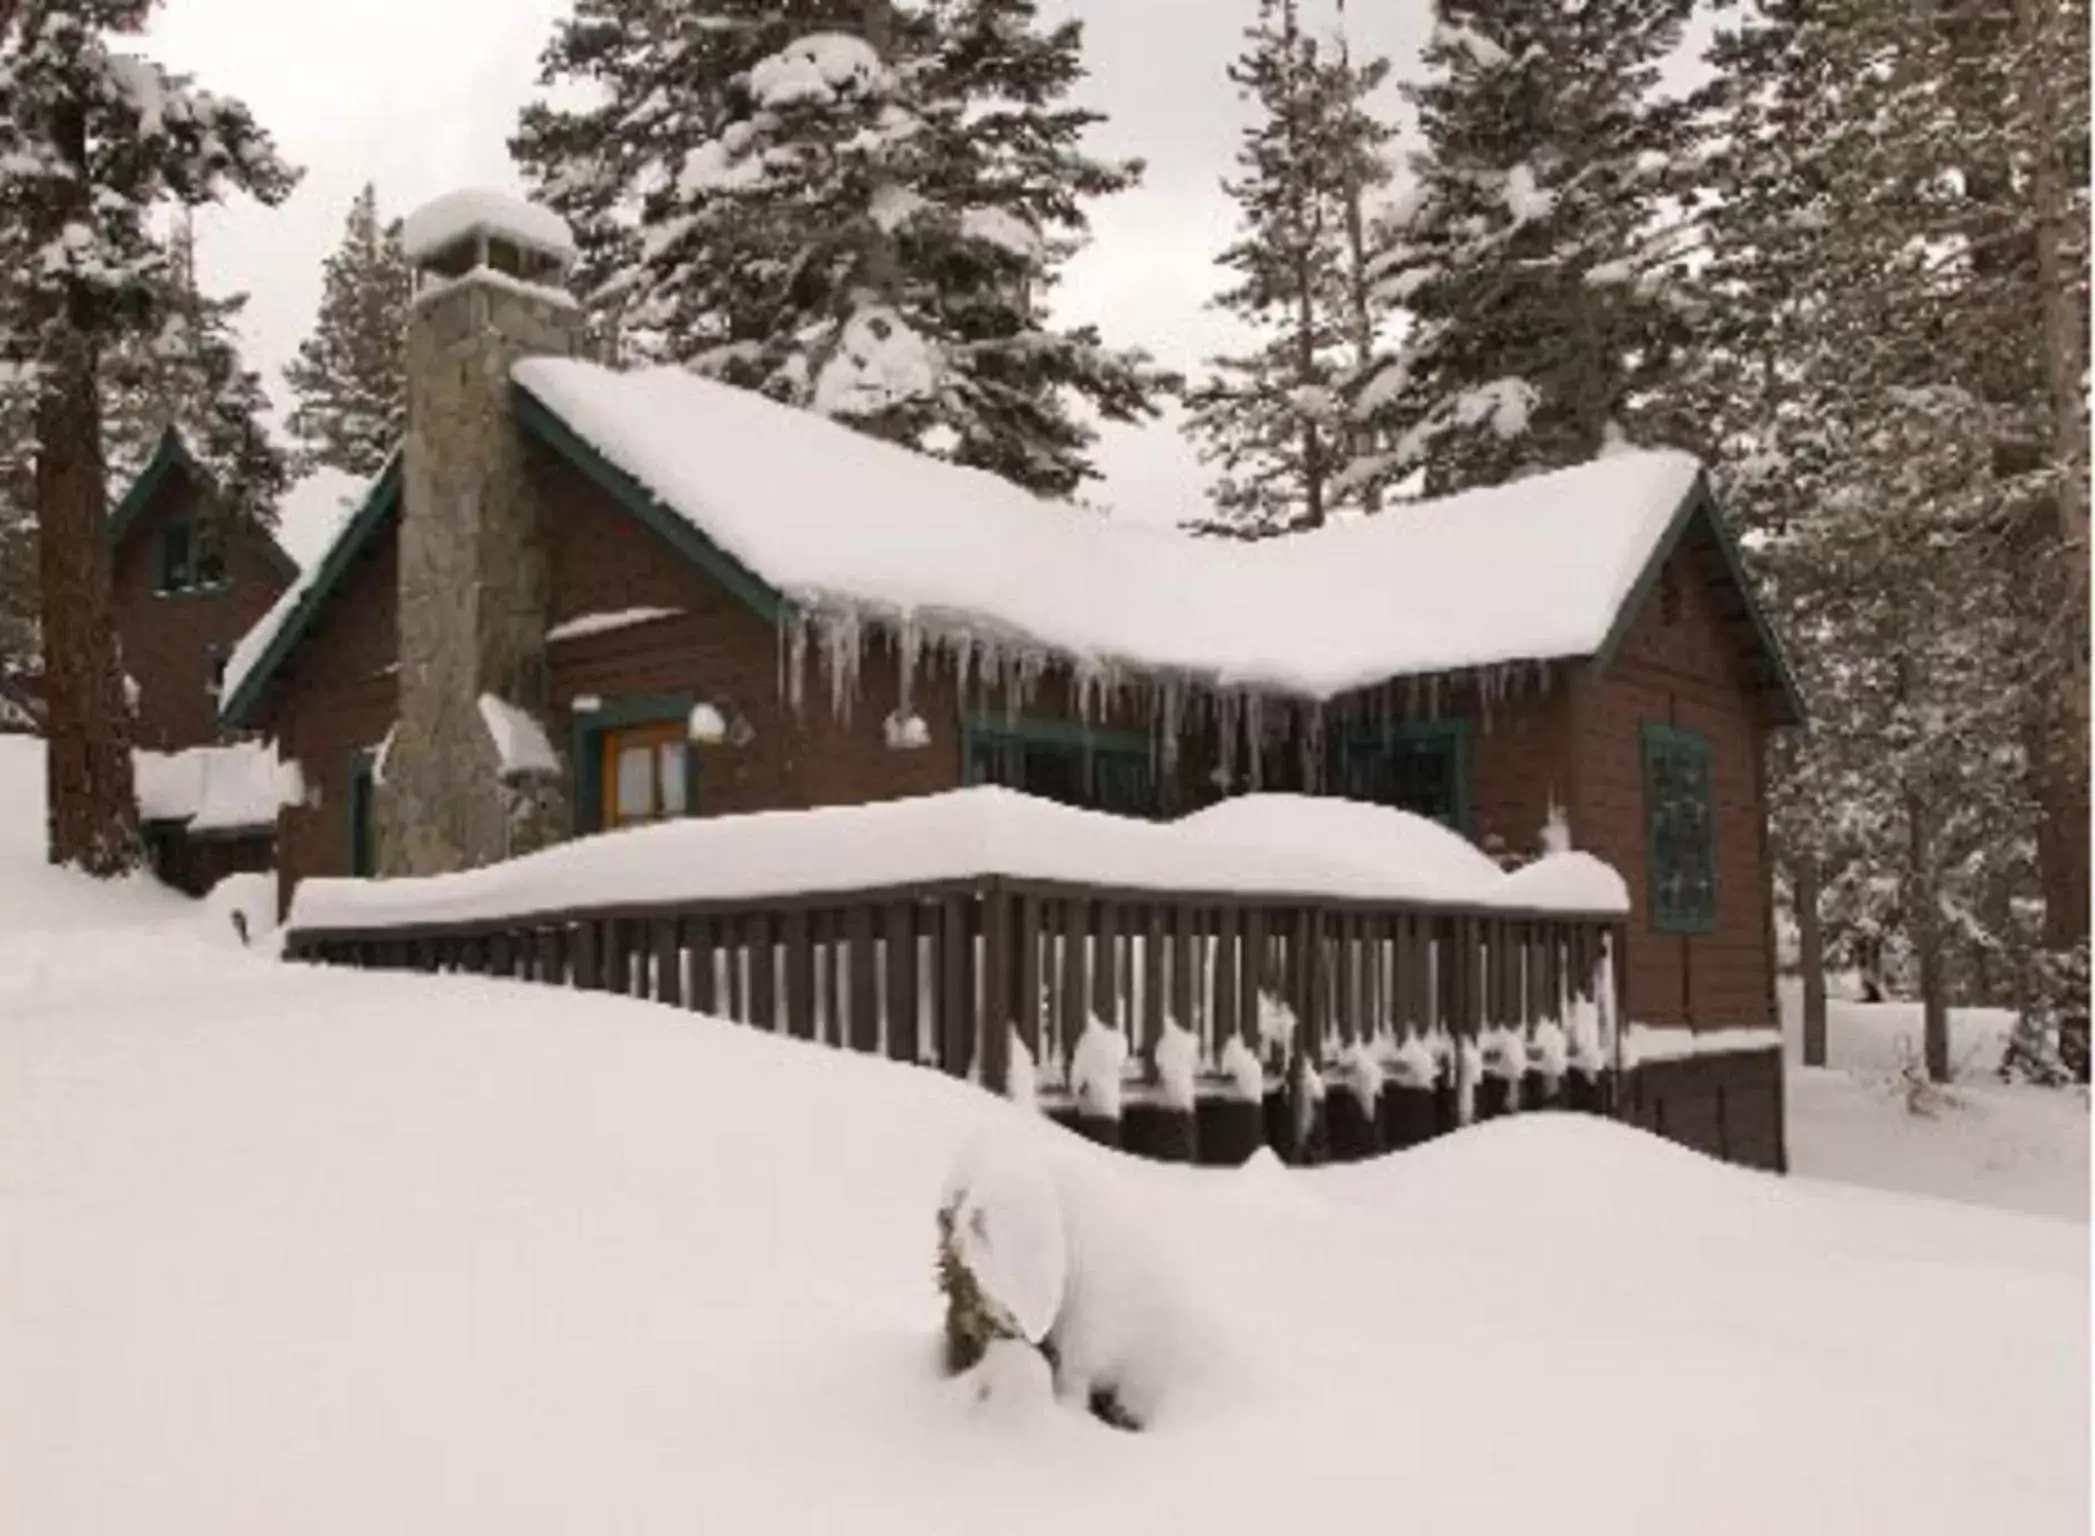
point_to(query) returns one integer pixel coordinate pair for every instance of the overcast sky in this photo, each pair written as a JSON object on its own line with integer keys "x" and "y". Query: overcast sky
{"x": 420, "y": 96}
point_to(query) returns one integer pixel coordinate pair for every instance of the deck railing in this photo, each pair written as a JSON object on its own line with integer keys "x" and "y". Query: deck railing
{"x": 950, "y": 974}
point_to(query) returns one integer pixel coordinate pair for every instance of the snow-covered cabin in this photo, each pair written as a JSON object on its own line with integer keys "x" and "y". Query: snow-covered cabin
{"x": 708, "y": 603}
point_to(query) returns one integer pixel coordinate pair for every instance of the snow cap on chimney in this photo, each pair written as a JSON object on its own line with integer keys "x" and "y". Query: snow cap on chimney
{"x": 479, "y": 229}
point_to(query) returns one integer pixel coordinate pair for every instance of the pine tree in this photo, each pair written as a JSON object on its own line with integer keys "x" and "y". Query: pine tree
{"x": 1306, "y": 165}
{"x": 1874, "y": 381}
{"x": 92, "y": 138}
{"x": 185, "y": 372}
{"x": 349, "y": 377}
{"x": 858, "y": 208}
{"x": 1538, "y": 251}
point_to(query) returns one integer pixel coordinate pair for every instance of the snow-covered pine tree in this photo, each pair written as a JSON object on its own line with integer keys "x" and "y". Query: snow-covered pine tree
{"x": 1312, "y": 155}
{"x": 860, "y": 208}
{"x": 350, "y": 375}
{"x": 92, "y": 138}
{"x": 1873, "y": 379}
{"x": 184, "y": 371}
{"x": 1538, "y": 249}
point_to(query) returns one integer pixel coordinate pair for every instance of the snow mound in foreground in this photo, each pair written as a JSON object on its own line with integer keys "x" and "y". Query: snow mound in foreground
{"x": 284, "y": 1247}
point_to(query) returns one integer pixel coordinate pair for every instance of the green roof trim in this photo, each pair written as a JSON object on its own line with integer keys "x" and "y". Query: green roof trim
{"x": 170, "y": 456}
{"x": 380, "y": 501}
{"x": 1699, "y": 509}
{"x": 543, "y": 423}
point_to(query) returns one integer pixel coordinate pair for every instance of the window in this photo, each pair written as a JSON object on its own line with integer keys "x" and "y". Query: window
{"x": 634, "y": 762}
{"x": 192, "y": 557}
{"x": 1099, "y": 771}
{"x": 1420, "y": 766}
{"x": 646, "y": 774}
{"x": 175, "y": 568}
{"x": 1682, "y": 838}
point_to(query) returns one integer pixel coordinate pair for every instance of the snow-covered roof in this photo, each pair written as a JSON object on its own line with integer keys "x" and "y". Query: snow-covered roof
{"x": 835, "y": 520}
{"x": 235, "y": 788}
{"x": 960, "y": 835}
{"x": 312, "y": 511}
{"x": 445, "y": 220}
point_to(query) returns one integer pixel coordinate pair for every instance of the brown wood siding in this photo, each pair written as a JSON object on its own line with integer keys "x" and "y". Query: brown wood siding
{"x": 1684, "y": 671}
{"x": 167, "y": 640}
{"x": 717, "y": 649}
{"x": 337, "y": 694}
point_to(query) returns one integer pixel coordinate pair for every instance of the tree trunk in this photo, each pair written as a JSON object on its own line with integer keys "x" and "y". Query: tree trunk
{"x": 2064, "y": 834}
{"x": 92, "y": 815}
{"x": 1811, "y": 955}
{"x": 1924, "y": 927}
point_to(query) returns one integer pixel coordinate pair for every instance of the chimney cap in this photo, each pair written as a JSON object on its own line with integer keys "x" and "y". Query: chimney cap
{"x": 476, "y": 214}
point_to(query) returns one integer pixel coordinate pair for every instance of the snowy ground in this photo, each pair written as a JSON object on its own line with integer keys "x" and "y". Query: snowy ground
{"x": 285, "y": 1249}
{"x": 1984, "y": 1141}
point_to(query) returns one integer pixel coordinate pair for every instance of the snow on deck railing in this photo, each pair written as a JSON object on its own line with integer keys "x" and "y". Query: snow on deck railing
{"x": 968, "y": 834}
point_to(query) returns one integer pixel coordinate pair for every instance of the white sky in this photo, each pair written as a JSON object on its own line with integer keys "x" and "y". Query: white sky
{"x": 420, "y": 96}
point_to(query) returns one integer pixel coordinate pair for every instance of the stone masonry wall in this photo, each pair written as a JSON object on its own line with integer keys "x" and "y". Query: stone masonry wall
{"x": 473, "y": 582}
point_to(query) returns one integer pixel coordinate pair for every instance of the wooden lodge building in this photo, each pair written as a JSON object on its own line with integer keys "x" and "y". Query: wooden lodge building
{"x": 187, "y": 581}
{"x": 581, "y": 599}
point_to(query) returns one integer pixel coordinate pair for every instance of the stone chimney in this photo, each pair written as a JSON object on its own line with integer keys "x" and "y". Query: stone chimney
{"x": 489, "y": 289}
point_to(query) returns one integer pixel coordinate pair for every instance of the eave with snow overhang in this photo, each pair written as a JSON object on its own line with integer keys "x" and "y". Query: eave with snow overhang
{"x": 816, "y": 527}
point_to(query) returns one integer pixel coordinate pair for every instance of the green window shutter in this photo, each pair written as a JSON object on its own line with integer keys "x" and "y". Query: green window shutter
{"x": 174, "y": 557}
{"x": 1681, "y": 830}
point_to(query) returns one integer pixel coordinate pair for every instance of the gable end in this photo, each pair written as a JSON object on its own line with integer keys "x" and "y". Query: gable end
{"x": 1699, "y": 514}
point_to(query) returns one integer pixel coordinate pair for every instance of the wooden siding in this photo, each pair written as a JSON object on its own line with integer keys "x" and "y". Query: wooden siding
{"x": 1680, "y": 665}
{"x": 167, "y": 641}
{"x": 337, "y": 695}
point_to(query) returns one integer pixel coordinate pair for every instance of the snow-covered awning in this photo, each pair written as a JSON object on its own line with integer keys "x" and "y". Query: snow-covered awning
{"x": 834, "y": 521}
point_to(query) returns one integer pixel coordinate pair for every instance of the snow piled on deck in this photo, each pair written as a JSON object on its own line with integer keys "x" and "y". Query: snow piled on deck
{"x": 841, "y": 522}
{"x": 1342, "y": 849}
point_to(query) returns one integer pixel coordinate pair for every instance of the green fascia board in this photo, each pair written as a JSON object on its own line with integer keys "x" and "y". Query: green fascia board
{"x": 380, "y": 501}
{"x": 171, "y": 454}
{"x": 545, "y": 424}
{"x": 1699, "y": 509}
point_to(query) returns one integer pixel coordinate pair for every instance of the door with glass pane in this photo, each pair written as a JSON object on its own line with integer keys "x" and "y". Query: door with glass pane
{"x": 646, "y": 774}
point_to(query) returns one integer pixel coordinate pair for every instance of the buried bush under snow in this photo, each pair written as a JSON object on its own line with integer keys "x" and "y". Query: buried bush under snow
{"x": 1035, "y": 1251}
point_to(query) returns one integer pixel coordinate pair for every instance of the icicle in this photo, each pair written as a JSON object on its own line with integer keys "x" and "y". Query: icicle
{"x": 1225, "y": 711}
{"x": 1170, "y": 707}
{"x": 909, "y": 645}
{"x": 842, "y": 644}
{"x": 1255, "y": 739}
{"x": 796, "y": 659}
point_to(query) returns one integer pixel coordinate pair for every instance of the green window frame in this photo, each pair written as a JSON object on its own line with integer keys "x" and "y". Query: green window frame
{"x": 192, "y": 558}
{"x": 363, "y": 839}
{"x": 590, "y": 728}
{"x": 1680, "y": 811}
{"x": 1421, "y": 766}
{"x": 1111, "y": 771}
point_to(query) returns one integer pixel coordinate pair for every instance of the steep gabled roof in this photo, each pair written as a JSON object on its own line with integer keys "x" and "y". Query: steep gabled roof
{"x": 800, "y": 516}
{"x": 171, "y": 457}
{"x": 277, "y": 633}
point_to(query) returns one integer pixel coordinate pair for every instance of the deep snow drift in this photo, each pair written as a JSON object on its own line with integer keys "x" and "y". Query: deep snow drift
{"x": 289, "y": 1249}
